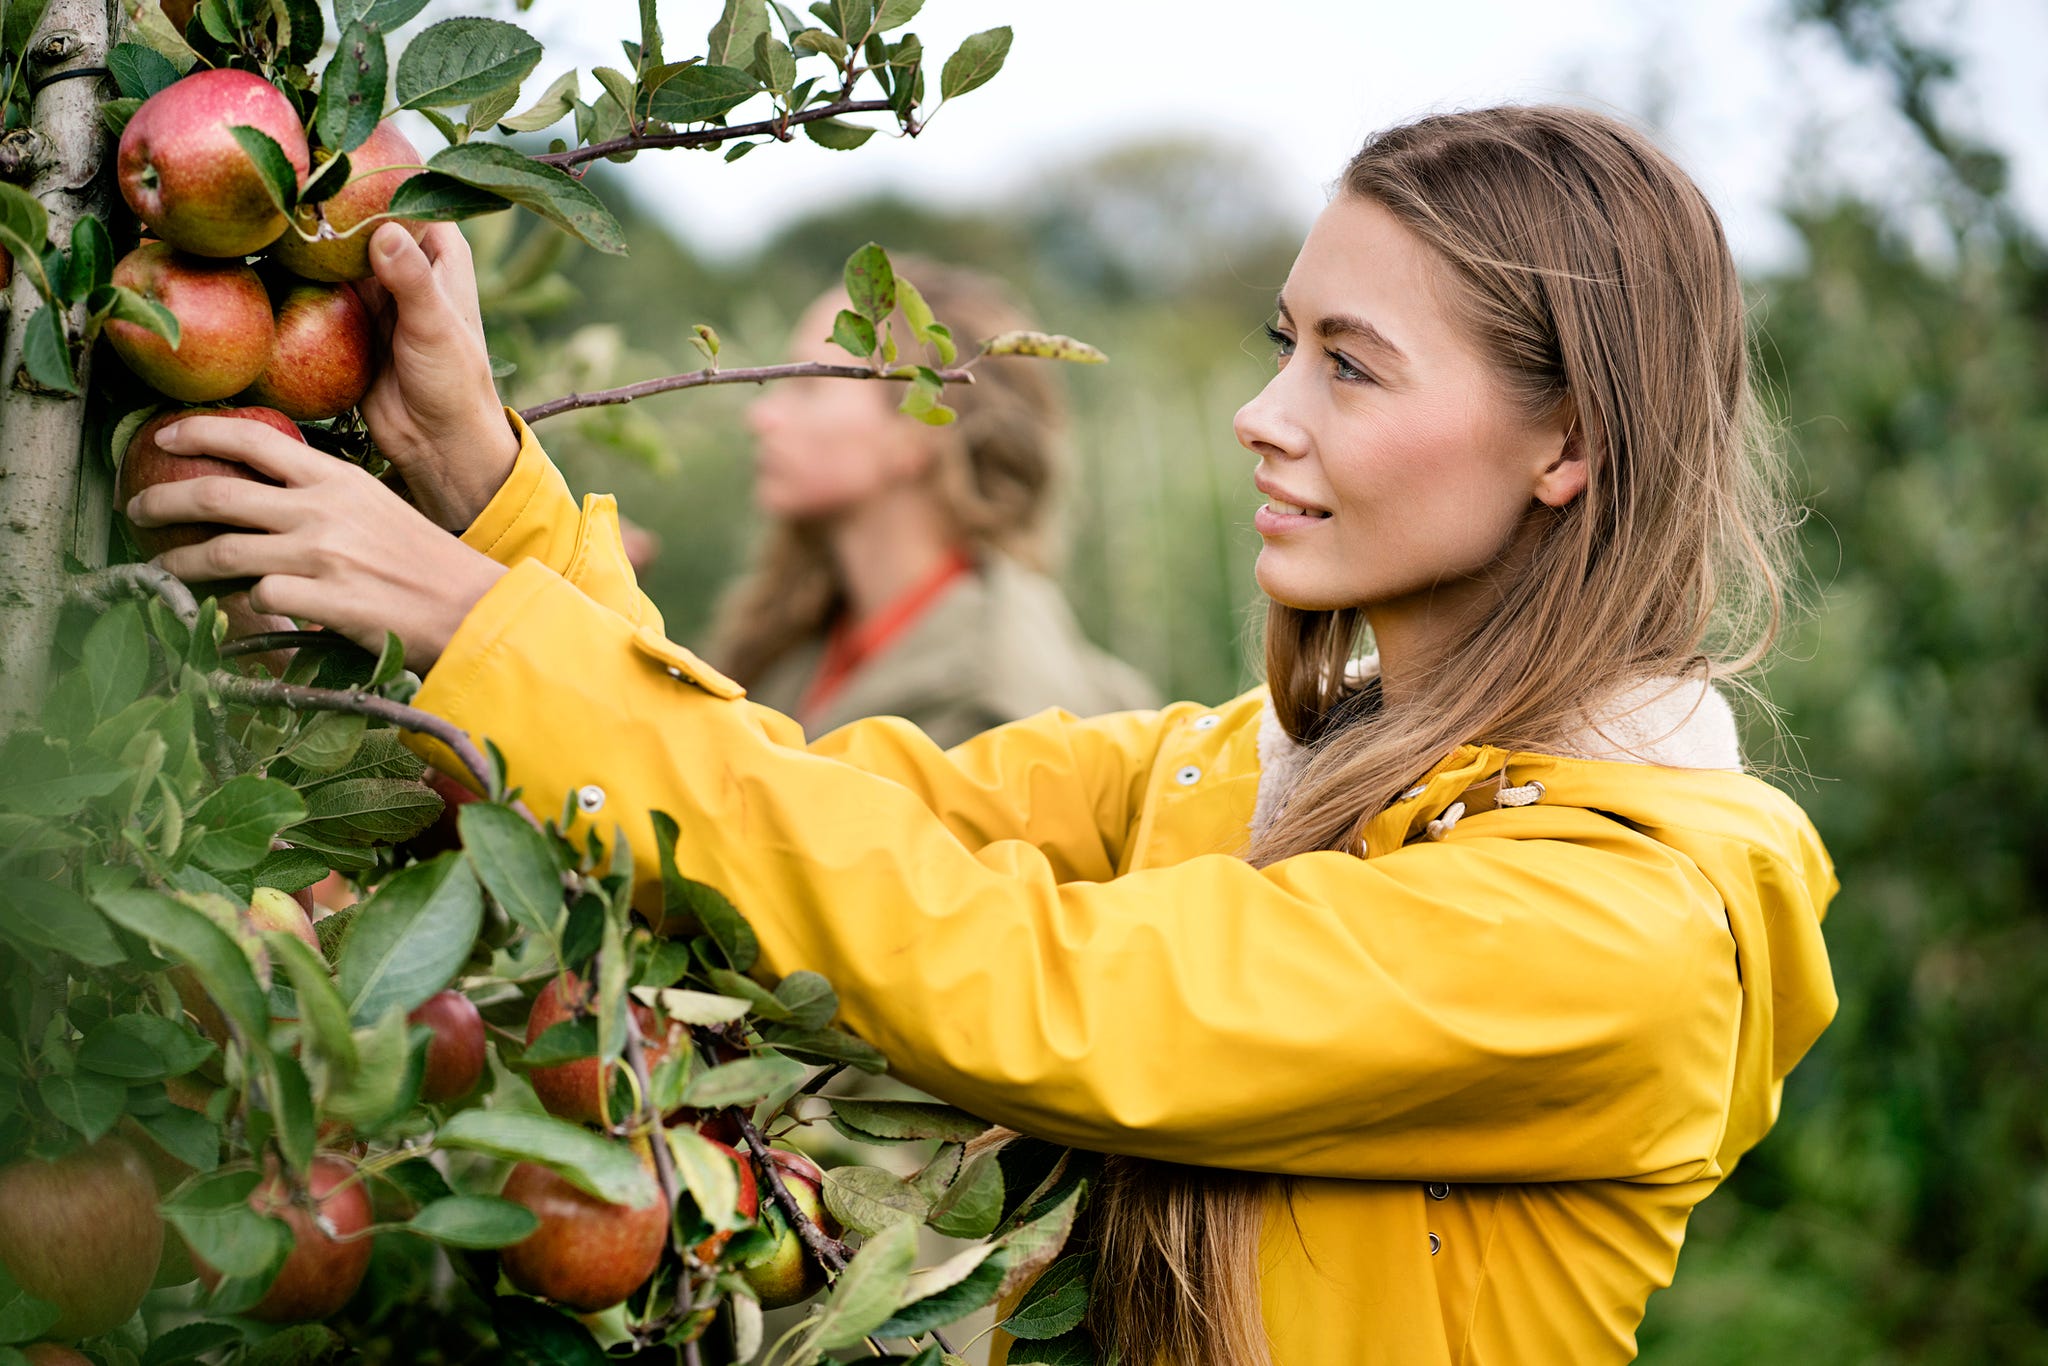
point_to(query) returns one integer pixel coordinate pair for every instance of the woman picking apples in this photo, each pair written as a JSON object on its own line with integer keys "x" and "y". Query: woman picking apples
{"x": 1419, "y": 999}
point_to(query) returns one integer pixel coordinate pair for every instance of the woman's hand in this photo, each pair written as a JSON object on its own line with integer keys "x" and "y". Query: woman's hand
{"x": 433, "y": 409}
{"x": 341, "y": 550}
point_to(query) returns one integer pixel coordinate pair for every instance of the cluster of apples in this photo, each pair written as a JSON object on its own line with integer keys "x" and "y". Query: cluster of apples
{"x": 292, "y": 342}
{"x": 84, "y": 1233}
{"x": 590, "y": 1254}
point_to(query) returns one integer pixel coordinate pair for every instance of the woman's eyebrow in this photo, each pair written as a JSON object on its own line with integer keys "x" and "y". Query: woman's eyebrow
{"x": 1348, "y": 325}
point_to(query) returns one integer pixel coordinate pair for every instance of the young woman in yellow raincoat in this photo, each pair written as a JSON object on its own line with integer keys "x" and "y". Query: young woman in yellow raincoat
{"x": 1419, "y": 1000}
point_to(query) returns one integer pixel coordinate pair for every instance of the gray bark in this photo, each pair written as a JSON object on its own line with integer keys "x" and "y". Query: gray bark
{"x": 47, "y": 509}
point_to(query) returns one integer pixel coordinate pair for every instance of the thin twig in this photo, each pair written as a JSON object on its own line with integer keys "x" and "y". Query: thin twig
{"x": 759, "y": 374}
{"x": 710, "y": 137}
{"x": 102, "y": 587}
{"x": 664, "y": 1170}
{"x": 265, "y": 641}
{"x": 264, "y": 692}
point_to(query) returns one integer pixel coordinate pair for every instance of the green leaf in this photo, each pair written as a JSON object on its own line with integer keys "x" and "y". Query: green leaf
{"x": 871, "y": 283}
{"x": 327, "y": 740}
{"x": 20, "y": 24}
{"x": 46, "y": 351}
{"x": 410, "y": 937}
{"x": 385, "y": 16}
{"x": 321, "y": 1009}
{"x": 705, "y": 905}
{"x": 551, "y": 108}
{"x": 352, "y": 89}
{"x": 140, "y": 71}
{"x": 1073, "y": 1348}
{"x": 973, "y": 1205}
{"x": 459, "y": 60}
{"x": 23, "y": 1317}
{"x": 241, "y": 817}
{"x": 559, "y": 198}
{"x": 773, "y": 63}
{"x": 606, "y": 1169}
{"x": 515, "y": 862}
{"x": 85, "y": 1101}
{"x": 289, "y": 1098}
{"x": 742, "y": 1082}
{"x": 827, "y": 1046}
{"x": 895, "y": 14}
{"x": 431, "y": 198}
{"x": 219, "y": 1226}
{"x": 478, "y": 1221}
{"x": 191, "y": 937}
{"x": 808, "y": 998}
{"x": 709, "y": 1175}
{"x": 698, "y": 93}
{"x": 975, "y": 63}
{"x": 698, "y": 1007}
{"x": 142, "y": 1047}
{"x": 114, "y": 660}
{"x": 731, "y": 40}
{"x": 532, "y": 1334}
{"x": 837, "y": 135}
{"x": 377, "y": 1087}
{"x": 289, "y": 870}
{"x": 190, "y": 1342}
{"x": 50, "y": 915}
{"x": 850, "y": 19}
{"x": 903, "y": 1120}
{"x": 563, "y": 1041}
{"x": 869, "y": 1199}
{"x": 280, "y": 178}
{"x": 119, "y": 301}
{"x": 485, "y": 112}
{"x": 1056, "y": 1301}
{"x": 24, "y": 228}
{"x": 303, "y": 1344}
{"x": 192, "y": 1138}
{"x": 1044, "y": 345}
{"x": 867, "y": 1291}
{"x": 306, "y": 30}
{"x": 853, "y": 333}
{"x": 114, "y": 116}
{"x": 820, "y": 41}
{"x": 92, "y": 255}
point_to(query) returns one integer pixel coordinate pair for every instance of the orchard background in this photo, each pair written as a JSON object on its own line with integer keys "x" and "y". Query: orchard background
{"x": 1896, "y": 1214}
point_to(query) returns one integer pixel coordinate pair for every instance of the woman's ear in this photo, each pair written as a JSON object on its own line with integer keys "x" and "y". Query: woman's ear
{"x": 1566, "y": 474}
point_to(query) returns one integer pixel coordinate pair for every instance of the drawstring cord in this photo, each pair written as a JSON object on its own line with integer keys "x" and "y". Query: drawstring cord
{"x": 1526, "y": 795}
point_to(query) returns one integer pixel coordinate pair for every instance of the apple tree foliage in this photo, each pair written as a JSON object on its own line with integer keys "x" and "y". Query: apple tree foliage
{"x": 168, "y": 773}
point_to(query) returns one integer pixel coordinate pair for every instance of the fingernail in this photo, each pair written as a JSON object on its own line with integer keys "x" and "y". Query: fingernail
{"x": 129, "y": 511}
{"x": 386, "y": 244}
{"x": 167, "y": 435}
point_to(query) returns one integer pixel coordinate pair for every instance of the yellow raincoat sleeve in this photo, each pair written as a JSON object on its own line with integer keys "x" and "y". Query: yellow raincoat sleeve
{"x": 1555, "y": 1007}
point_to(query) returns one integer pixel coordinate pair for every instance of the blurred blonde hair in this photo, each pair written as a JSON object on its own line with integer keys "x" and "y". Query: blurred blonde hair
{"x": 1597, "y": 279}
{"x": 995, "y": 477}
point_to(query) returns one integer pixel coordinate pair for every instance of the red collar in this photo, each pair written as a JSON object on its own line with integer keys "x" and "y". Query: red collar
{"x": 851, "y": 645}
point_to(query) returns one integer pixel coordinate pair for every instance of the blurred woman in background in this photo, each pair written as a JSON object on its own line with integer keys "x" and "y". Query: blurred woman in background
{"x": 905, "y": 568}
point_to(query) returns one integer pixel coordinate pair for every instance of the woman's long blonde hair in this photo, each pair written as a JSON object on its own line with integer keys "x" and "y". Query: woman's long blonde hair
{"x": 1595, "y": 276}
{"x": 995, "y": 479}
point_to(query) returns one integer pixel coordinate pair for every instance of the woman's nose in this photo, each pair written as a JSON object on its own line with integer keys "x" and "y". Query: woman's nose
{"x": 1264, "y": 426}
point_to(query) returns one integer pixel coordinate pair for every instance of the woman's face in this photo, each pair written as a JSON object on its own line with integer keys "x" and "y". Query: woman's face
{"x": 1394, "y": 469}
{"x": 823, "y": 447}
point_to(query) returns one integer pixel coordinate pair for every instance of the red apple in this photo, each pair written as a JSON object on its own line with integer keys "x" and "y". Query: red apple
{"x": 83, "y": 1233}
{"x": 147, "y": 464}
{"x": 455, "y": 1055}
{"x": 787, "y": 1272}
{"x": 51, "y": 1354}
{"x": 320, "y": 363}
{"x": 748, "y": 1203}
{"x": 321, "y": 1274}
{"x": 187, "y": 177}
{"x": 385, "y": 160}
{"x": 587, "y": 1254}
{"x": 271, "y": 909}
{"x": 225, "y": 330}
{"x": 445, "y": 833}
{"x": 576, "y": 1090}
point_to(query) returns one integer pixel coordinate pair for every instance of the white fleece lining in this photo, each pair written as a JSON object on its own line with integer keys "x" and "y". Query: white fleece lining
{"x": 1670, "y": 722}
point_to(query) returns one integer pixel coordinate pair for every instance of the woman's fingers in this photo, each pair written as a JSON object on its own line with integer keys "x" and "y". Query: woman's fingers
{"x": 455, "y": 268}
{"x": 215, "y": 498}
{"x": 425, "y": 310}
{"x": 262, "y": 448}
{"x": 233, "y": 555}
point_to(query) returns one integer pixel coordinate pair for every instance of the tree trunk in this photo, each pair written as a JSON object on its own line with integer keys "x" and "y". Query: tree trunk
{"x": 47, "y": 511}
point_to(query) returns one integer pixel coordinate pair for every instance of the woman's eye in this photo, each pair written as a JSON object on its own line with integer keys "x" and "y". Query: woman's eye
{"x": 1283, "y": 345}
{"x": 1345, "y": 369}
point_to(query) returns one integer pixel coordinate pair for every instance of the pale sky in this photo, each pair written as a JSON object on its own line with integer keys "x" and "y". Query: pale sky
{"x": 1305, "y": 80}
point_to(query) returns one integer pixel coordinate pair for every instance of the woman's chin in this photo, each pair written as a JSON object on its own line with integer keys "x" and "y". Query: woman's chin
{"x": 1291, "y": 589}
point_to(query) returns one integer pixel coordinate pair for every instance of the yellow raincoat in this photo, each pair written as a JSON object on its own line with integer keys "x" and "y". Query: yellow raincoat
{"x": 1503, "y": 1065}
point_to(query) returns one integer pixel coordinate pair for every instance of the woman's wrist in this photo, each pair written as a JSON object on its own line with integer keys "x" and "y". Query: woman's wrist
{"x": 455, "y": 481}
